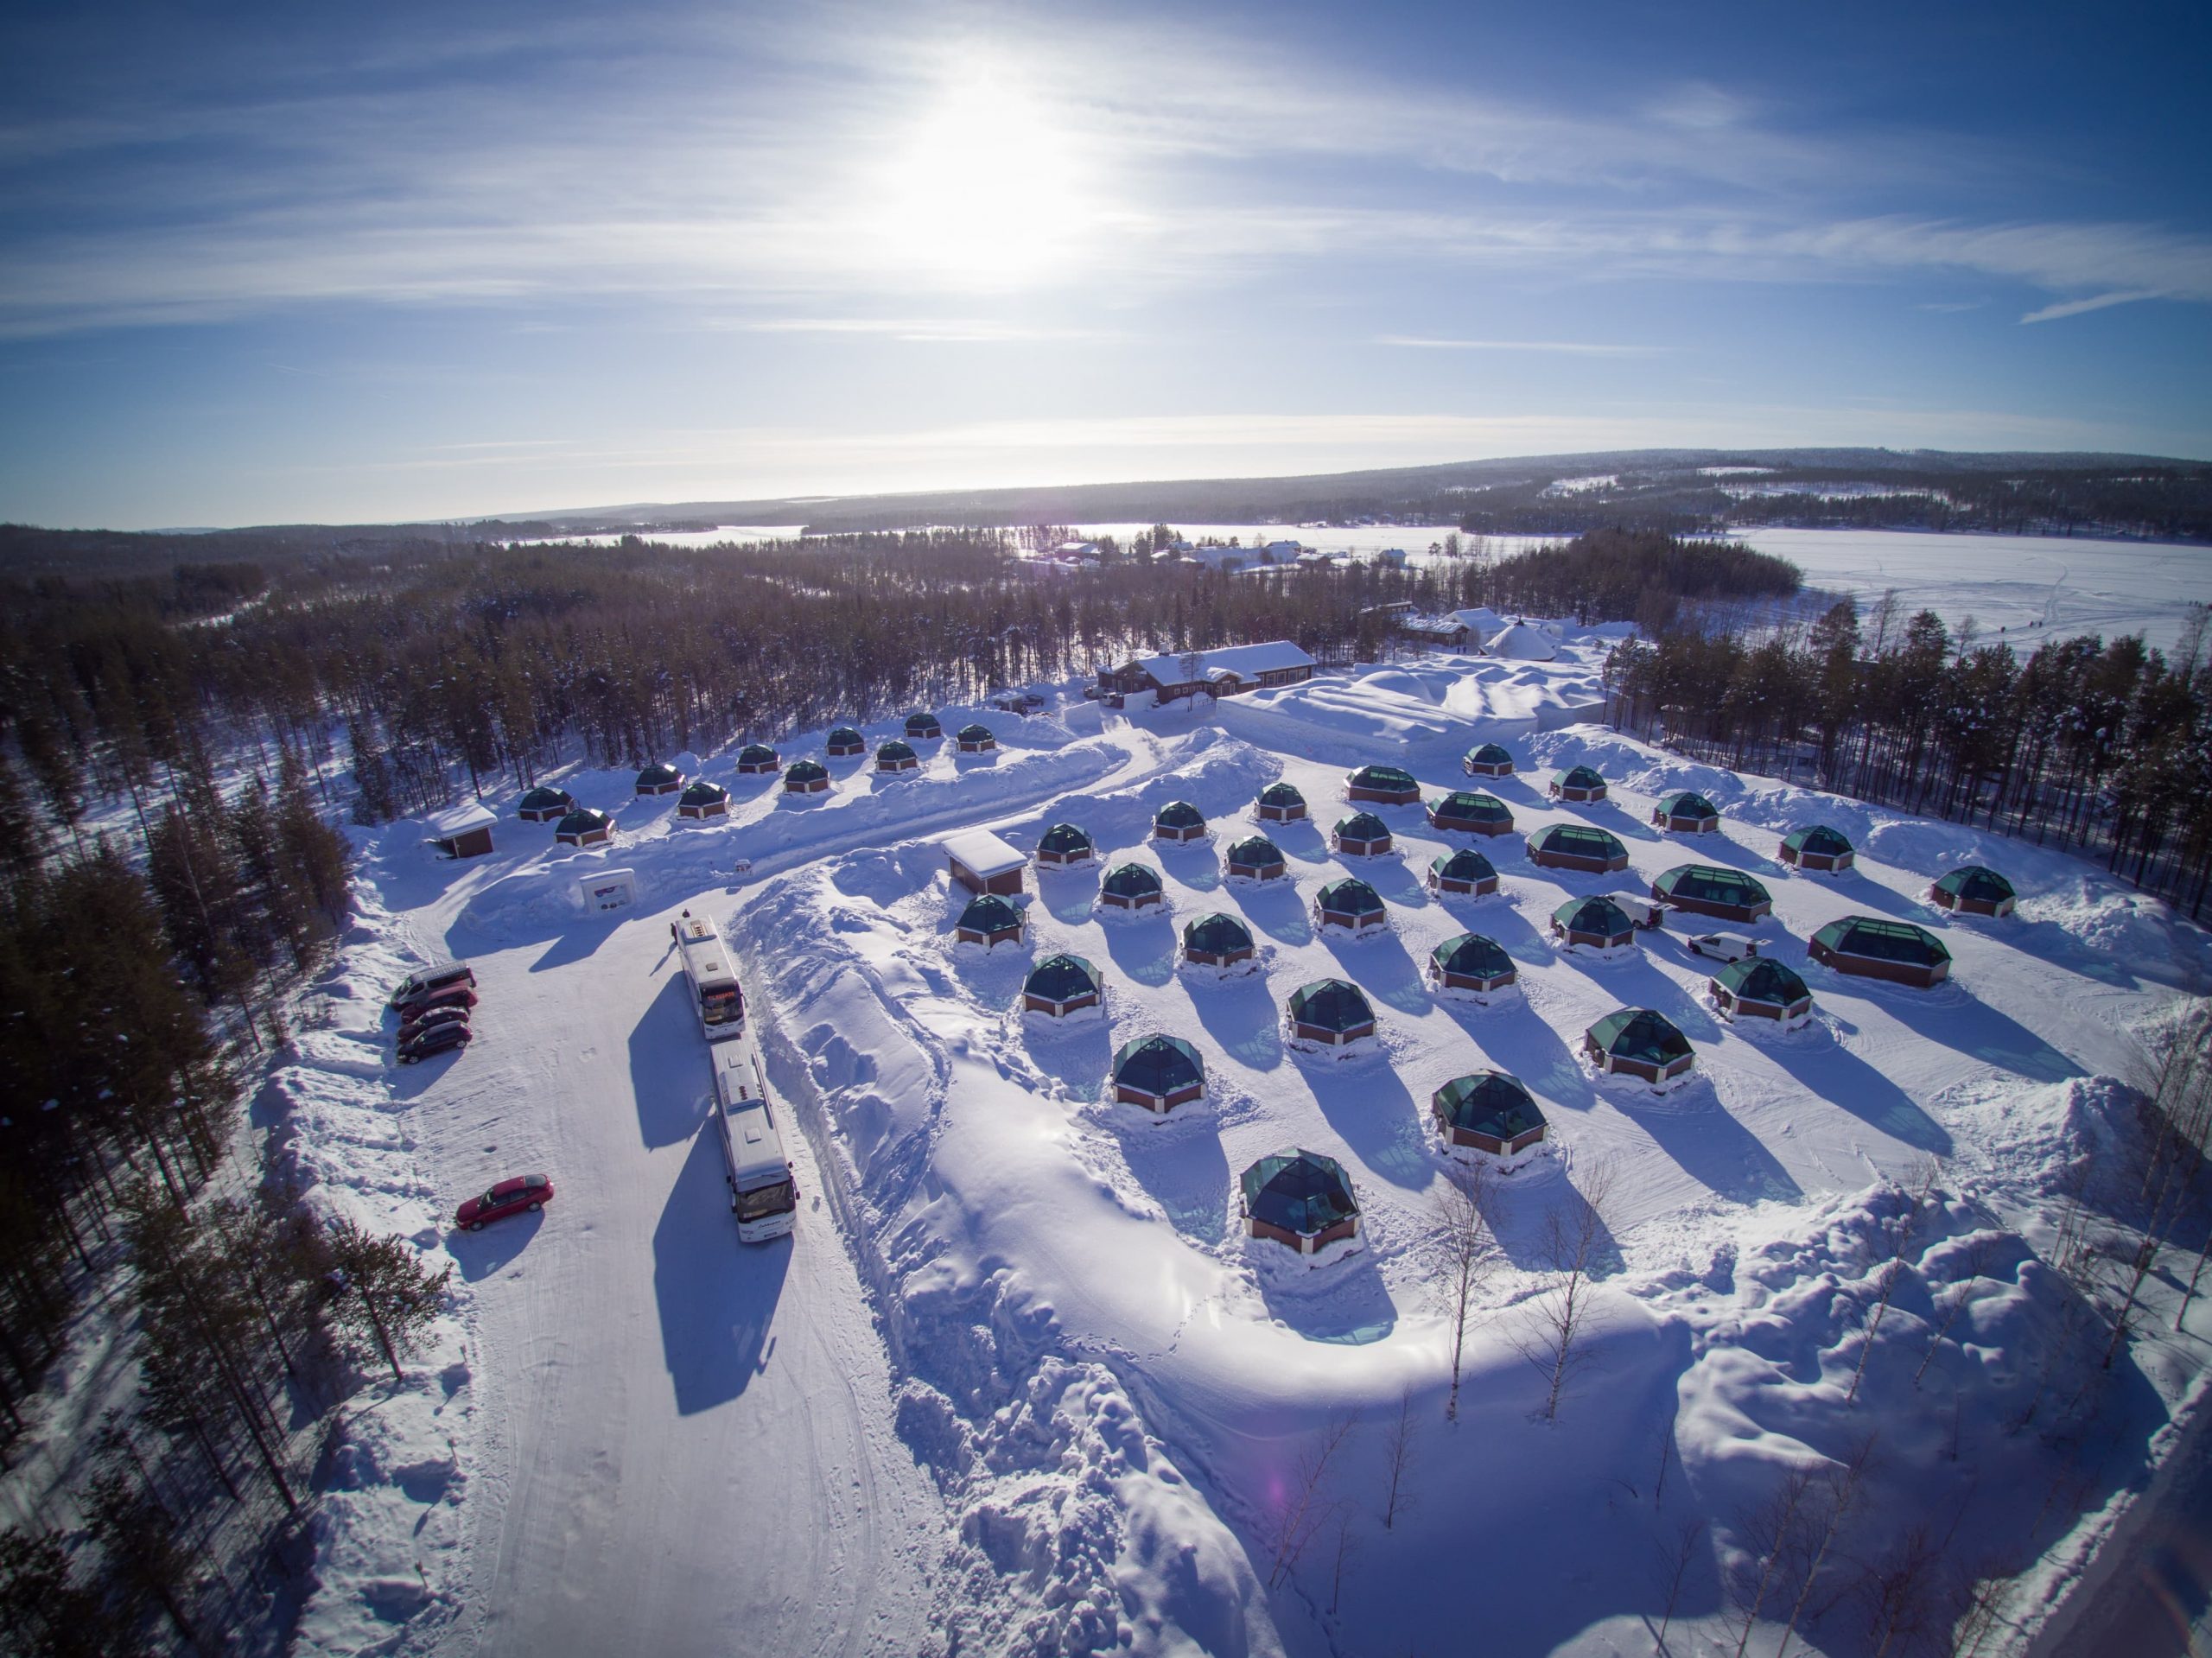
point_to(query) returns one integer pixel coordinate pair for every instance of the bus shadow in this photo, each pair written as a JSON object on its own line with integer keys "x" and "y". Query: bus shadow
{"x": 716, "y": 1296}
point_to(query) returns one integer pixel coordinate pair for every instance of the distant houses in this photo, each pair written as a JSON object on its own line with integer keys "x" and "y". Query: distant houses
{"x": 1229, "y": 671}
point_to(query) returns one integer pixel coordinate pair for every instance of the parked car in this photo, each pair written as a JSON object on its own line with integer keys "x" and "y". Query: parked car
{"x": 1728, "y": 946}
{"x": 525, "y": 1193}
{"x": 436, "y": 976}
{"x": 429, "y": 1019}
{"x": 1643, "y": 911}
{"x": 439, "y": 1038}
{"x": 454, "y": 996}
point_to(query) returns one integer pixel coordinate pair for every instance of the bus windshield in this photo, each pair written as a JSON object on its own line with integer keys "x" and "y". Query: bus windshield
{"x": 720, "y": 1006}
{"x": 762, "y": 1201}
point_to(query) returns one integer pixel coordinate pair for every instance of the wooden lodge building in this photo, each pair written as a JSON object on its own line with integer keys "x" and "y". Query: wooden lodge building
{"x": 1229, "y": 671}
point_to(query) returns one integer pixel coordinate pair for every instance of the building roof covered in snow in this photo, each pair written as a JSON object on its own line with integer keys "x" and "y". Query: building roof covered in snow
{"x": 1332, "y": 1004}
{"x": 458, "y": 820}
{"x": 1764, "y": 980}
{"x": 1350, "y": 896}
{"x": 1159, "y": 1065}
{"x": 1131, "y": 880}
{"x": 1976, "y": 885}
{"x": 1640, "y": 1034}
{"x": 1493, "y": 1102}
{"x": 1298, "y": 1190}
{"x": 1522, "y": 643}
{"x": 1474, "y": 956}
{"x": 1245, "y": 661}
{"x": 1883, "y": 941}
{"x": 1711, "y": 884}
{"x": 1217, "y": 934}
{"x": 982, "y": 853}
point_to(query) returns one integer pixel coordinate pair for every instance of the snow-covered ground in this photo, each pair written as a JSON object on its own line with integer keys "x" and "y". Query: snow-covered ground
{"x": 1019, "y": 1382}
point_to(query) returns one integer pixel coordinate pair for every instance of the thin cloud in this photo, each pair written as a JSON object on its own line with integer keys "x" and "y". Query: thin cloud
{"x": 2082, "y": 307}
{"x": 1561, "y": 347}
{"x": 938, "y": 330}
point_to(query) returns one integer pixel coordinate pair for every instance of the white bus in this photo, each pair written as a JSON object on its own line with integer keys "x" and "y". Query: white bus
{"x": 761, "y": 1189}
{"x": 713, "y": 977}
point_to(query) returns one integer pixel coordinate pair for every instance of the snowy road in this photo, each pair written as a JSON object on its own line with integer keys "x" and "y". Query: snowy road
{"x": 692, "y": 1438}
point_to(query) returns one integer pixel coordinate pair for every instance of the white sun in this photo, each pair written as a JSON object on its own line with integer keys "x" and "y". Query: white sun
{"x": 986, "y": 187}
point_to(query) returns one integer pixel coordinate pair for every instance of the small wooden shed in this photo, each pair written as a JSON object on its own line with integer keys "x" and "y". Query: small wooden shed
{"x": 982, "y": 862}
{"x": 465, "y": 831}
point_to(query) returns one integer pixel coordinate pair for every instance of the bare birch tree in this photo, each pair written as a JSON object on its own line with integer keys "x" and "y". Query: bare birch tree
{"x": 1555, "y": 1333}
{"x": 1468, "y": 1253}
{"x": 1306, "y": 1507}
{"x": 1397, "y": 1458}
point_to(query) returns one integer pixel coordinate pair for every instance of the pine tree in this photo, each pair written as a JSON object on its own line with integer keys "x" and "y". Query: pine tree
{"x": 391, "y": 1298}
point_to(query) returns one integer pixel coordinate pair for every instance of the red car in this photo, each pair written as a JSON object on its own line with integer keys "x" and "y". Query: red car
{"x": 524, "y": 1191}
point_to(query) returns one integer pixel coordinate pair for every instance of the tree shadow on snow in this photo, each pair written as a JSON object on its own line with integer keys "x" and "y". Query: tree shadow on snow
{"x": 1518, "y": 1220}
{"x": 716, "y": 1296}
{"x": 480, "y": 1254}
{"x": 668, "y": 1073}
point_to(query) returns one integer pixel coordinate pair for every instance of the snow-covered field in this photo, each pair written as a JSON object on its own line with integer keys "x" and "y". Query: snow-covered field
{"x": 1020, "y": 1384}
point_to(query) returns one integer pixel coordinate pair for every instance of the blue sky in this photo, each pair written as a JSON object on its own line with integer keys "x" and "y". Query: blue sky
{"x": 281, "y": 263}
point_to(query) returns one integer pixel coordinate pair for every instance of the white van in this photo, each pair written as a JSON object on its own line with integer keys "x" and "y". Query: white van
{"x": 424, "y": 980}
{"x": 1645, "y": 913}
{"x": 761, "y": 1189}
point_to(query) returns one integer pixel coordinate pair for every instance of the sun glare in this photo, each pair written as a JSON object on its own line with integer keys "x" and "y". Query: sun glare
{"x": 987, "y": 188}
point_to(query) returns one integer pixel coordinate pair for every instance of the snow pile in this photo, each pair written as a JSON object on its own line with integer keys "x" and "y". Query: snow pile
{"x": 1437, "y": 703}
